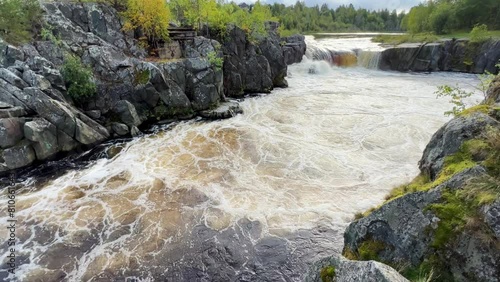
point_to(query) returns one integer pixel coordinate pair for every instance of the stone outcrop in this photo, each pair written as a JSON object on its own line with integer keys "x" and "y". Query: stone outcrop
{"x": 294, "y": 48}
{"x": 449, "y": 138}
{"x": 344, "y": 270}
{"x": 252, "y": 67}
{"x": 450, "y": 55}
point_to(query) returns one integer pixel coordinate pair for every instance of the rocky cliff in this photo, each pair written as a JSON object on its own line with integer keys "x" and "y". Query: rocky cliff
{"x": 39, "y": 120}
{"x": 445, "y": 223}
{"x": 450, "y": 55}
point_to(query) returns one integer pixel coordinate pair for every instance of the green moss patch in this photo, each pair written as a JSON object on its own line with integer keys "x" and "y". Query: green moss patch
{"x": 453, "y": 213}
{"x": 469, "y": 154}
{"x": 483, "y": 108}
{"x": 370, "y": 249}
{"x": 327, "y": 274}
{"x": 141, "y": 77}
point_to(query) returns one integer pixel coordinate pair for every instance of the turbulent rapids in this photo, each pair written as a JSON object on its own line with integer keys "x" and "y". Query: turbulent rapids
{"x": 258, "y": 197}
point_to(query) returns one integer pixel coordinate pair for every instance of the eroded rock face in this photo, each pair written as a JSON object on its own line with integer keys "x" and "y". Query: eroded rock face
{"x": 251, "y": 68}
{"x": 450, "y": 55}
{"x": 294, "y": 49}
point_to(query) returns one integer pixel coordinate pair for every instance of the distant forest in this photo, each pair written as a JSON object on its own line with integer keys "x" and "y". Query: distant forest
{"x": 437, "y": 16}
{"x": 301, "y": 18}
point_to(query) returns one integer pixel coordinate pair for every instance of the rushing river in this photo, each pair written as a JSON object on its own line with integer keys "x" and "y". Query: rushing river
{"x": 254, "y": 198}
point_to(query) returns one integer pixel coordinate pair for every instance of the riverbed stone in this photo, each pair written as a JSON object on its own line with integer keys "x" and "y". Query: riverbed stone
{"x": 224, "y": 110}
{"x": 65, "y": 142}
{"x": 127, "y": 113}
{"x": 44, "y": 137}
{"x": 120, "y": 128}
{"x": 20, "y": 155}
{"x": 11, "y": 131}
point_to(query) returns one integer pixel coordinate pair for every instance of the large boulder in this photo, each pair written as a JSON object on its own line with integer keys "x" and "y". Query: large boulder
{"x": 337, "y": 268}
{"x": 449, "y": 138}
{"x": 127, "y": 113}
{"x": 19, "y": 156}
{"x": 43, "y": 134}
{"x": 11, "y": 131}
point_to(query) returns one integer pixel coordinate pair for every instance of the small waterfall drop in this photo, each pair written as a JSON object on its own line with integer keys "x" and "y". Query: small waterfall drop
{"x": 369, "y": 59}
{"x": 367, "y": 55}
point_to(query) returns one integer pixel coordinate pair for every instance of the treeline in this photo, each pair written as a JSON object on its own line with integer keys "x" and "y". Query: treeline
{"x": 300, "y": 18}
{"x": 444, "y": 16}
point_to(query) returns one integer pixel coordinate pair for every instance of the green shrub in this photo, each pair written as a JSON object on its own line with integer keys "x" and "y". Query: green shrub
{"x": 479, "y": 33}
{"x": 214, "y": 60}
{"x": 19, "y": 20}
{"x": 457, "y": 96}
{"x": 78, "y": 78}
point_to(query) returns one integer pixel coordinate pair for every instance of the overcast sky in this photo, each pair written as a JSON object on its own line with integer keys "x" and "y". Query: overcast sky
{"x": 367, "y": 4}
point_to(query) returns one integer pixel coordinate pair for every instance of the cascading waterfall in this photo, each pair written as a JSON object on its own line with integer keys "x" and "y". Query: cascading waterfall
{"x": 258, "y": 197}
{"x": 363, "y": 57}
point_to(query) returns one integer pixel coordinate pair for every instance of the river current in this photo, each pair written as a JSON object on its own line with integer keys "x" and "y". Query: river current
{"x": 257, "y": 197}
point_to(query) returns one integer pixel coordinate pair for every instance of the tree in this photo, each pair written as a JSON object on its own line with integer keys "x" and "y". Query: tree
{"x": 152, "y": 16}
{"x": 440, "y": 18}
{"x": 19, "y": 20}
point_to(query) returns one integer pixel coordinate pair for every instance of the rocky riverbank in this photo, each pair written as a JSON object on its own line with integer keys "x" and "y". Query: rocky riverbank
{"x": 39, "y": 121}
{"x": 449, "y": 55}
{"x": 445, "y": 224}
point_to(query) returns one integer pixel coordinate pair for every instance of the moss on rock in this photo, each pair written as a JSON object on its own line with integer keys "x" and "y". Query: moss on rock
{"x": 327, "y": 274}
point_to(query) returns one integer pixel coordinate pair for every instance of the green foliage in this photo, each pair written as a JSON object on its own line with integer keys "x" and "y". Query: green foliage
{"x": 370, "y": 250}
{"x": 327, "y": 274}
{"x": 300, "y": 18}
{"x": 47, "y": 34}
{"x": 78, "y": 78}
{"x": 217, "y": 15}
{"x": 418, "y": 19}
{"x": 405, "y": 38}
{"x": 19, "y": 20}
{"x": 457, "y": 96}
{"x": 214, "y": 60}
{"x": 479, "y": 33}
{"x": 453, "y": 213}
{"x": 421, "y": 273}
{"x": 285, "y": 32}
{"x": 151, "y": 16}
{"x": 442, "y": 16}
{"x": 141, "y": 77}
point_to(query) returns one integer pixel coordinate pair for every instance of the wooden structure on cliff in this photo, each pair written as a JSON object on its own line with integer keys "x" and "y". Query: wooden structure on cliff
{"x": 172, "y": 49}
{"x": 181, "y": 33}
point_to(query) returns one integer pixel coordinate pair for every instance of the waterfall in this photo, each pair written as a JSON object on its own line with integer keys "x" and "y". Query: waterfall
{"x": 337, "y": 58}
{"x": 341, "y": 56}
{"x": 369, "y": 59}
